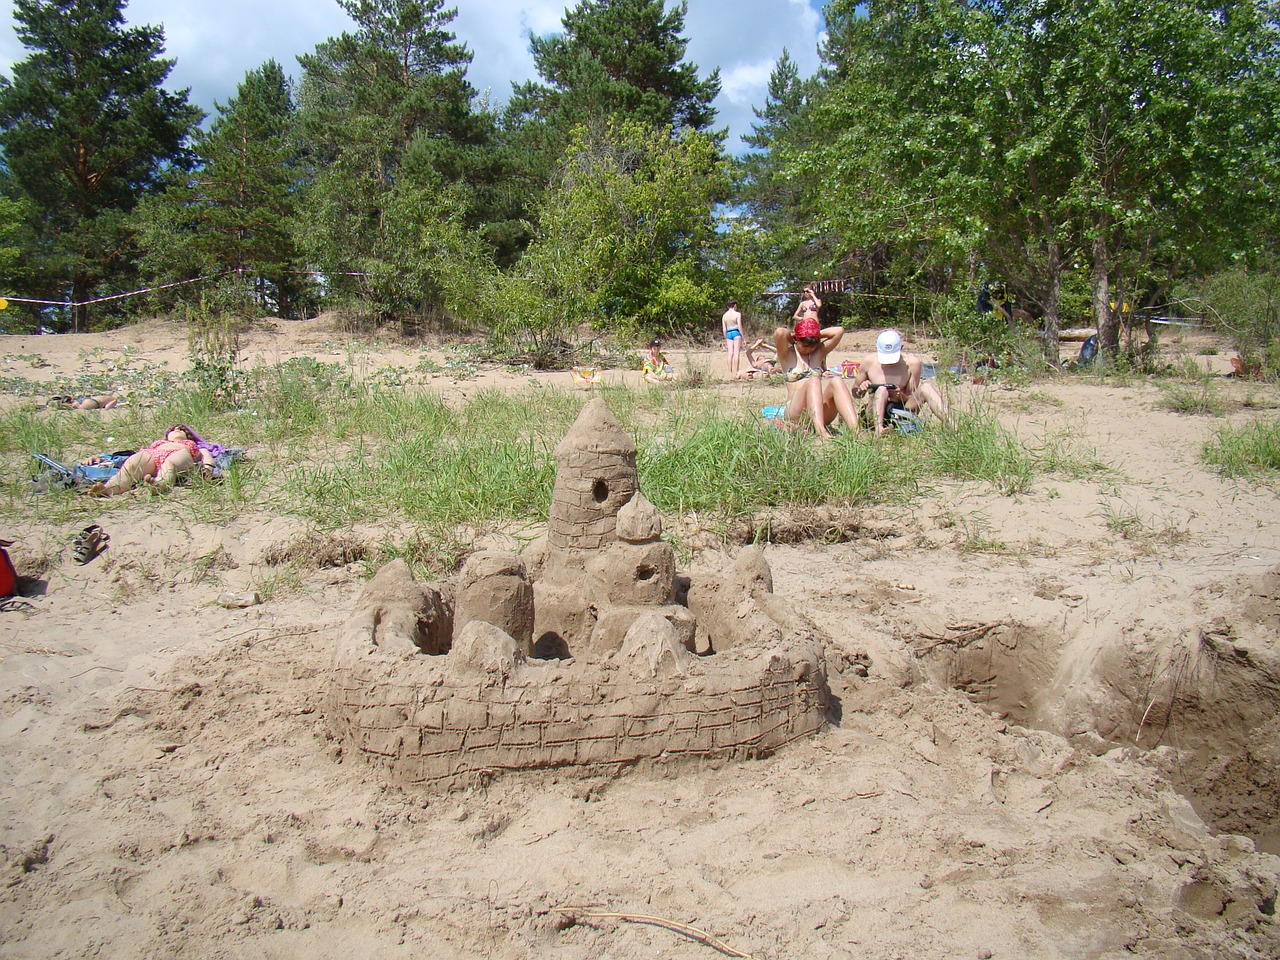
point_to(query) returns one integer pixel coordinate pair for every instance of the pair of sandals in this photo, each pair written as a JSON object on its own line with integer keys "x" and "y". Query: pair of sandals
{"x": 89, "y": 542}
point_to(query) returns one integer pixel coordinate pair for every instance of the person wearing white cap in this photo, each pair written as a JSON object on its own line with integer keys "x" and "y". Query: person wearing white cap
{"x": 892, "y": 377}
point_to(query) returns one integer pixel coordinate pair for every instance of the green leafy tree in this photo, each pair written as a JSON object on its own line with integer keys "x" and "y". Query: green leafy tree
{"x": 367, "y": 100}
{"x": 622, "y": 240}
{"x": 890, "y": 154}
{"x": 1012, "y": 136}
{"x": 614, "y": 58}
{"x": 234, "y": 214}
{"x": 87, "y": 131}
{"x": 1175, "y": 102}
{"x": 14, "y": 220}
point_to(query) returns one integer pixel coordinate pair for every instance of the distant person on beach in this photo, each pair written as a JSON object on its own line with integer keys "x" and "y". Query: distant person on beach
{"x": 731, "y": 322}
{"x": 759, "y": 365}
{"x": 802, "y": 354}
{"x": 891, "y": 377}
{"x": 656, "y": 368}
{"x": 102, "y": 402}
{"x": 809, "y": 307}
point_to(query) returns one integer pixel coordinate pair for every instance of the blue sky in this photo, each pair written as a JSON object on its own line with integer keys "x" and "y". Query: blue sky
{"x": 215, "y": 42}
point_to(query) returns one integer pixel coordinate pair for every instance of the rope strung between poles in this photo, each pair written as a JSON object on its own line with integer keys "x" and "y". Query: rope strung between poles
{"x": 166, "y": 286}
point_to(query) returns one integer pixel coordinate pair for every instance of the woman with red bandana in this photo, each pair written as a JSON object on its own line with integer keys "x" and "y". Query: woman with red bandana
{"x": 802, "y": 353}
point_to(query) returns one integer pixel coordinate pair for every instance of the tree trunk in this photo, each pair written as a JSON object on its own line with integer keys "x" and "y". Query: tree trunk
{"x": 1105, "y": 317}
{"x": 1052, "y": 303}
{"x": 79, "y": 309}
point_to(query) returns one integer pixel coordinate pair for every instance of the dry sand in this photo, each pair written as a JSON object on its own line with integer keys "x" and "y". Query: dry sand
{"x": 1065, "y": 743}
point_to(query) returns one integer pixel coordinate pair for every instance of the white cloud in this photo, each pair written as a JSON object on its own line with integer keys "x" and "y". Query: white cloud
{"x": 745, "y": 82}
{"x": 215, "y": 44}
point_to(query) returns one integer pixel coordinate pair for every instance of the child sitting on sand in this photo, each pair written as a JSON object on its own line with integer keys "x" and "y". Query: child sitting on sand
{"x": 656, "y": 368}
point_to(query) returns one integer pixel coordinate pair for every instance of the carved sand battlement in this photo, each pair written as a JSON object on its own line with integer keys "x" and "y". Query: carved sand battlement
{"x": 581, "y": 654}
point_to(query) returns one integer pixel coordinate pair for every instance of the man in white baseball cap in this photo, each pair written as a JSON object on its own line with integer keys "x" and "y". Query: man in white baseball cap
{"x": 892, "y": 377}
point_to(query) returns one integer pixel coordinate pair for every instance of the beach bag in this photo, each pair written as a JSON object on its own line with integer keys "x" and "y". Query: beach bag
{"x": 904, "y": 421}
{"x": 1088, "y": 351}
{"x": 8, "y": 576}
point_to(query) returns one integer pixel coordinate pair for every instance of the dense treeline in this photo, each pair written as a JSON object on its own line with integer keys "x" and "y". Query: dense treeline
{"x": 1084, "y": 162}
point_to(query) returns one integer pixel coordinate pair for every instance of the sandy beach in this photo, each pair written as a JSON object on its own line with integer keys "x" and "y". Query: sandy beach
{"x": 1057, "y": 733}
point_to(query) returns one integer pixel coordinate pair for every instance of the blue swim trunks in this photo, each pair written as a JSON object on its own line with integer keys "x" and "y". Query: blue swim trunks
{"x": 733, "y": 334}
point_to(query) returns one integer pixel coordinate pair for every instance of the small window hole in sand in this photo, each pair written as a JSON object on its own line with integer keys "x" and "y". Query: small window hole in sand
{"x": 551, "y": 646}
{"x": 1205, "y": 710}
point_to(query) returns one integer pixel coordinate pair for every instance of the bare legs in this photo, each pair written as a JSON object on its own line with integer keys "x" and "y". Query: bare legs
{"x": 837, "y": 399}
{"x": 140, "y": 468}
{"x": 179, "y": 462}
{"x": 132, "y": 472}
{"x": 734, "y": 347}
{"x": 932, "y": 397}
{"x": 825, "y": 398}
{"x": 926, "y": 395}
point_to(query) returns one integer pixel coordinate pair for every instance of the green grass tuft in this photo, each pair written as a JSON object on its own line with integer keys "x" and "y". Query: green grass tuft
{"x": 1249, "y": 451}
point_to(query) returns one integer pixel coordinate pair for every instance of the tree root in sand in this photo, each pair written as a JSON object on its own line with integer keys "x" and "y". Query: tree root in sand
{"x": 967, "y": 634}
{"x": 572, "y": 914}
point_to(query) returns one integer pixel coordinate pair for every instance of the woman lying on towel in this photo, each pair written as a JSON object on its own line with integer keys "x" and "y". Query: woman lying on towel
{"x": 161, "y": 463}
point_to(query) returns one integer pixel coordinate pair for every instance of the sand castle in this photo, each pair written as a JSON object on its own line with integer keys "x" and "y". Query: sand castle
{"x": 588, "y": 652}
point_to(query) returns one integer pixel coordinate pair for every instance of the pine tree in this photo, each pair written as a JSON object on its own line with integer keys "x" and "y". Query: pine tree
{"x": 619, "y": 57}
{"x": 235, "y": 212}
{"x": 395, "y": 88}
{"x": 87, "y": 131}
{"x": 775, "y": 202}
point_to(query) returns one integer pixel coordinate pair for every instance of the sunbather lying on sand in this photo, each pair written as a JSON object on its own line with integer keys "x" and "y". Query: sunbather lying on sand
{"x": 161, "y": 463}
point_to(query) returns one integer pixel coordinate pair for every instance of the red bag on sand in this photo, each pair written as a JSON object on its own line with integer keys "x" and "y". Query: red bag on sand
{"x": 8, "y": 576}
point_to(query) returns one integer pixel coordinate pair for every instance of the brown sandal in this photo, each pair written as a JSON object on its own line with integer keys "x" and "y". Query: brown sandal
{"x": 89, "y": 542}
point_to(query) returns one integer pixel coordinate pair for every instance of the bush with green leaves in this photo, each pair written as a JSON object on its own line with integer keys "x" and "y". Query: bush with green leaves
{"x": 1245, "y": 302}
{"x": 970, "y": 334}
{"x": 214, "y": 350}
{"x": 621, "y": 240}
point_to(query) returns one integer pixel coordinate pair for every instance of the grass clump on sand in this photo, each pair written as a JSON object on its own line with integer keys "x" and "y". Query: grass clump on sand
{"x": 976, "y": 447}
{"x": 1251, "y": 450}
{"x": 1195, "y": 394}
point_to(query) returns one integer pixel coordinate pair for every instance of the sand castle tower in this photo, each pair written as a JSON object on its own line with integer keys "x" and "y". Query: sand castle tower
{"x": 604, "y": 562}
{"x": 595, "y": 477}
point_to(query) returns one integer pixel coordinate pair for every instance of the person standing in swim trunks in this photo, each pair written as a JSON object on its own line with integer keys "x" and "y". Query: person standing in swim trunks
{"x": 731, "y": 322}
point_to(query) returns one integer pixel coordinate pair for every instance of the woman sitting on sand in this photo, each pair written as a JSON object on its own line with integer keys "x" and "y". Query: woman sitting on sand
{"x": 161, "y": 463}
{"x": 803, "y": 353}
